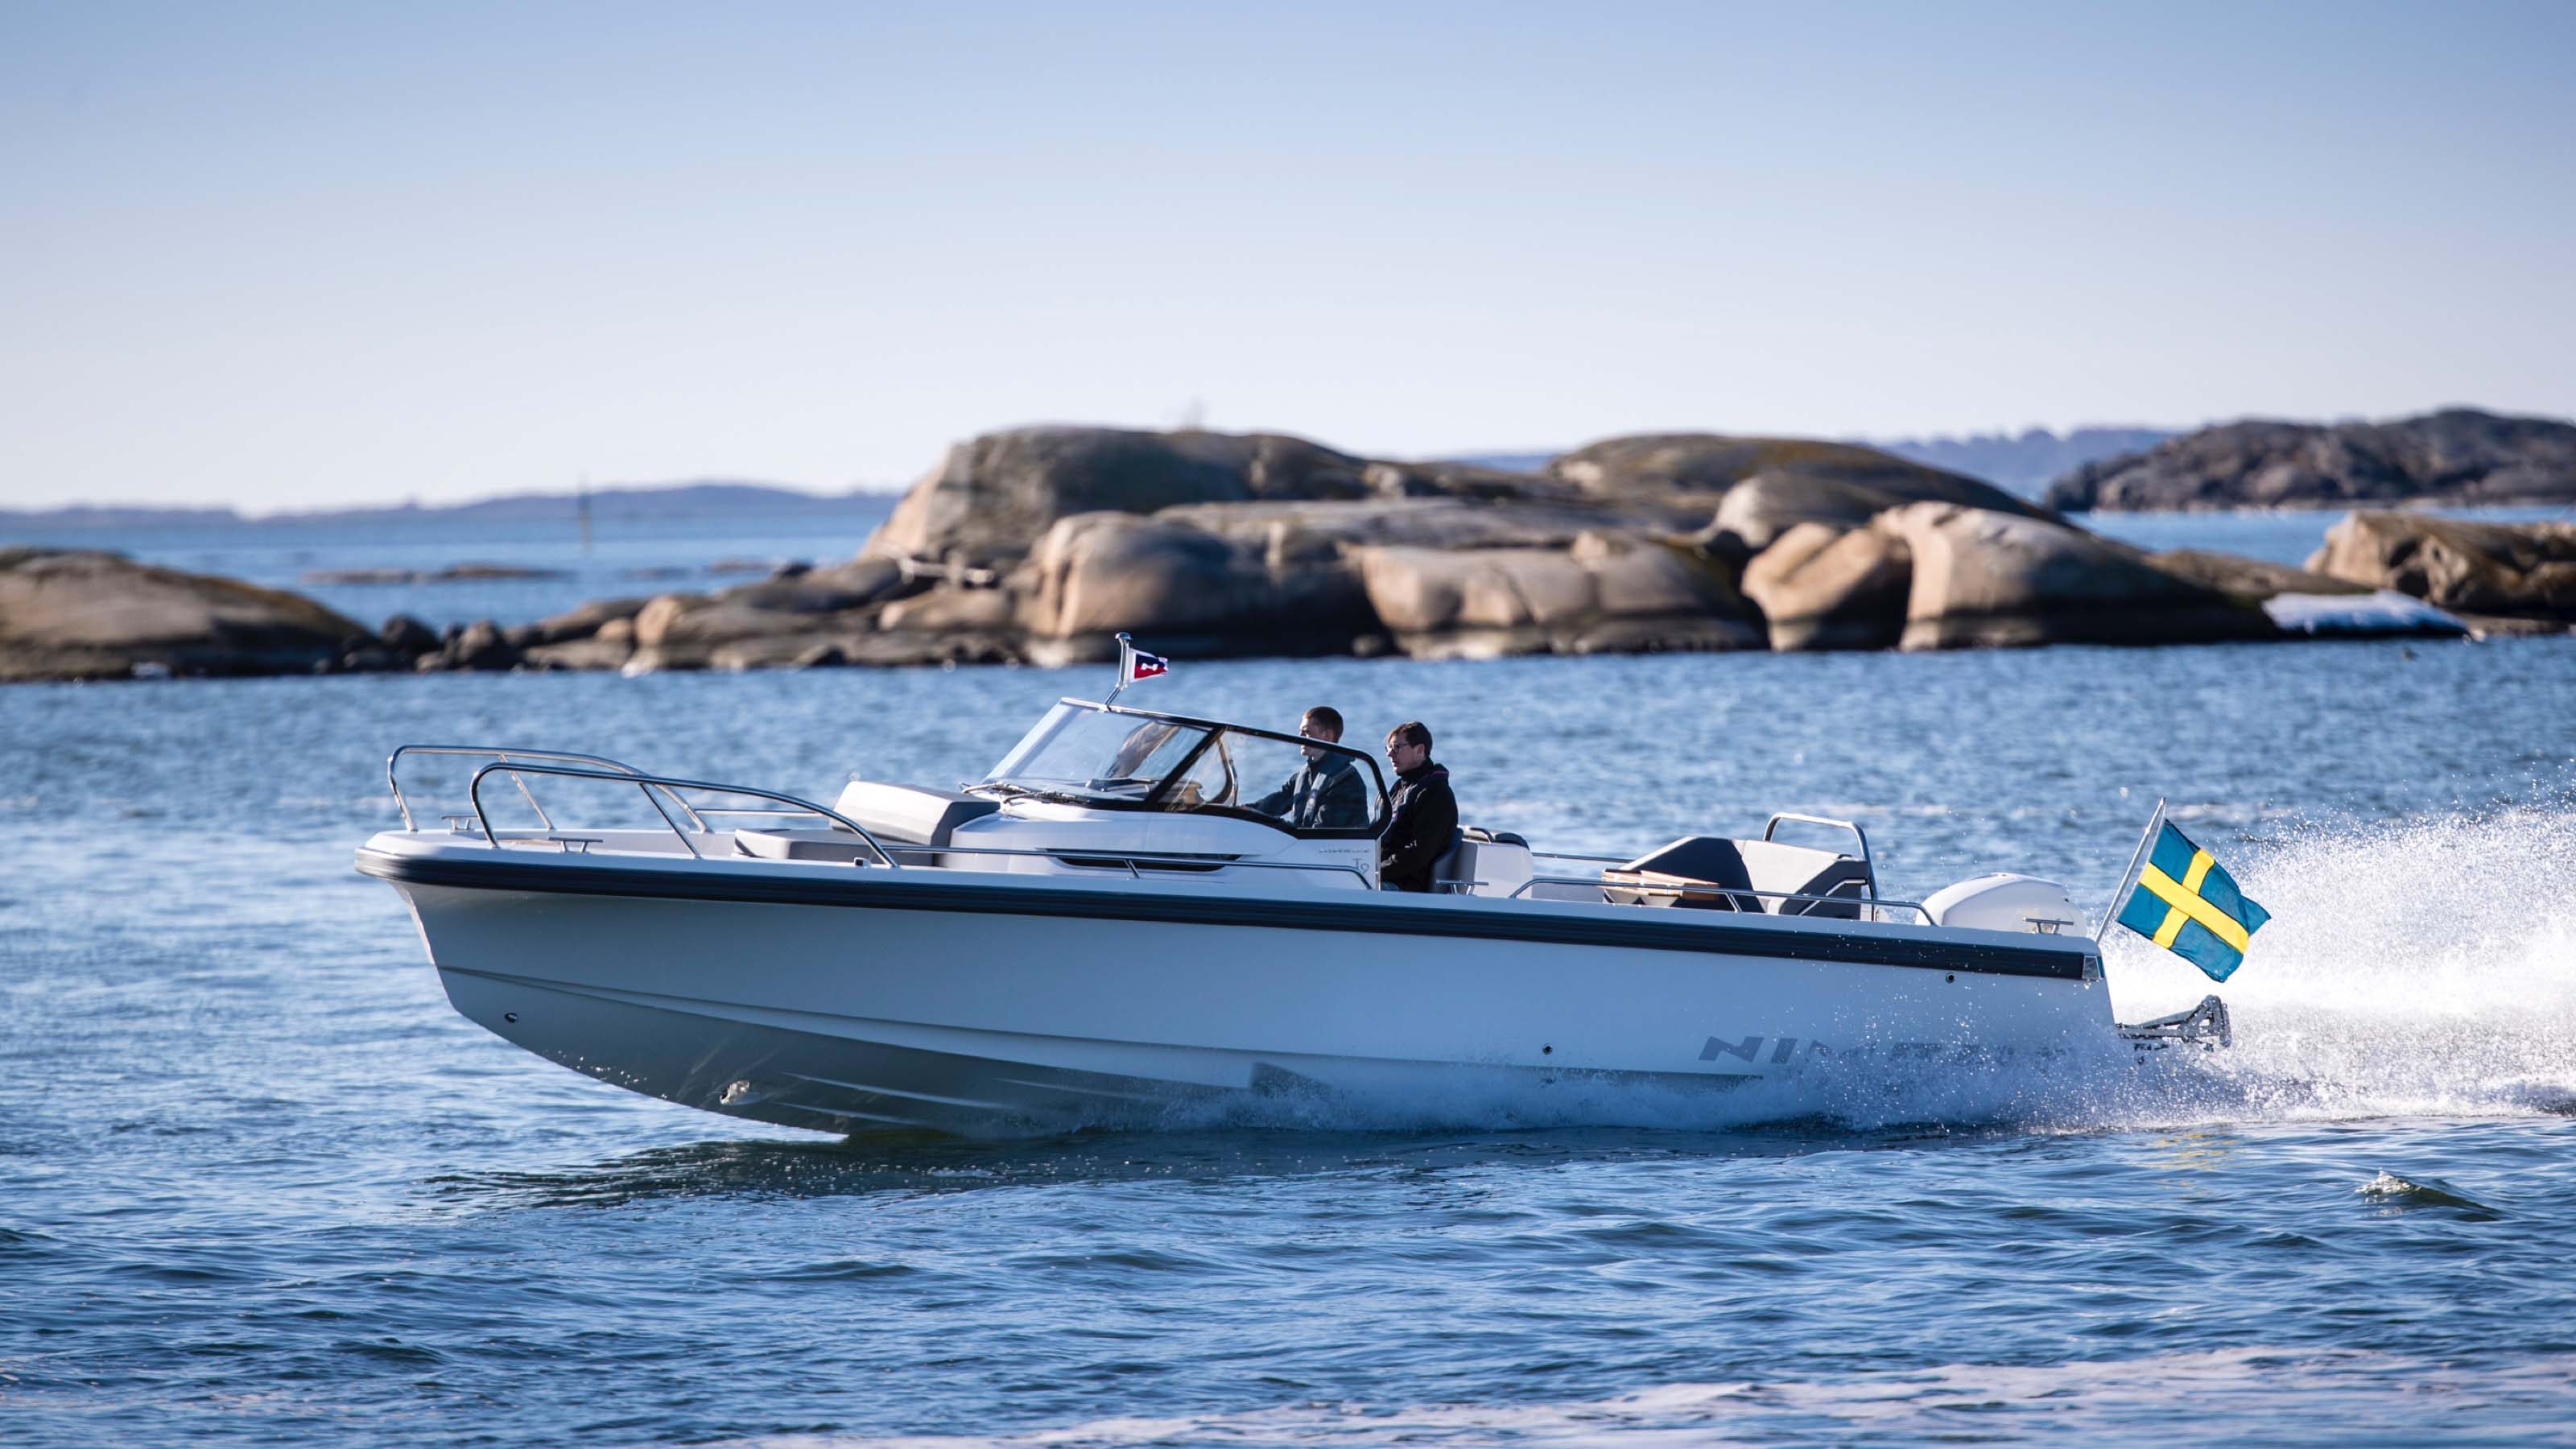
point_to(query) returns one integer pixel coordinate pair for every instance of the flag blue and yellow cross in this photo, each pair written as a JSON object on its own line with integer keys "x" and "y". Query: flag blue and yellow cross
{"x": 2188, "y": 905}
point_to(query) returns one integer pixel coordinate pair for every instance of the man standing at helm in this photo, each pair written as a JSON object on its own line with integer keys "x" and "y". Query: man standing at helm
{"x": 1326, "y": 793}
{"x": 1425, "y": 822}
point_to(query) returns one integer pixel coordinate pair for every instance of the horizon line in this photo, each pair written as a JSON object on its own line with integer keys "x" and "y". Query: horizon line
{"x": 246, "y": 513}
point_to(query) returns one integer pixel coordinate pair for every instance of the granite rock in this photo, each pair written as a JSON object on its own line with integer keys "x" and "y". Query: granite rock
{"x": 991, "y": 499}
{"x": 405, "y": 639}
{"x": 82, "y": 614}
{"x": 1607, "y": 593}
{"x": 1808, "y": 479}
{"x": 1258, "y": 589}
{"x": 2498, "y": 570}
{"x": 585, "y": 621}
{"x": 2459, "y": 455}
{"x": 481, "y": 646}
{"x": 1823, "y": 588}
{"x": 2248, "y": 578}
{"x": 1986, "y": 579}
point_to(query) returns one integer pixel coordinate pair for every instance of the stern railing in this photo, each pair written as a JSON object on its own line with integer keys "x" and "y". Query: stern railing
{"x": 1868, "y": 866}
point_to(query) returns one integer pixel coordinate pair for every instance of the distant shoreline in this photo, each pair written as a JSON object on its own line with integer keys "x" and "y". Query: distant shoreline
{"x": 2021, "y": 463}
{"x": 622, "y": 504}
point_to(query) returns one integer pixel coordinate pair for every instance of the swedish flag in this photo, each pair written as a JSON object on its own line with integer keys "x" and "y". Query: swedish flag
{"x": 2189, "y": 906}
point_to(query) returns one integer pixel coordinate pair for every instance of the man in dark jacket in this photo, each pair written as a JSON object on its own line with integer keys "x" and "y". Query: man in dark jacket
{"x": 1425, "y": 824}
{"x": 1326, "y": 793}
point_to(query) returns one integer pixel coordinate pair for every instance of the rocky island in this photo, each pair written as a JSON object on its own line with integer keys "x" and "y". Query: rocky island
{"x": 1041, "y": 544}
{"x": 2458, "y": 456}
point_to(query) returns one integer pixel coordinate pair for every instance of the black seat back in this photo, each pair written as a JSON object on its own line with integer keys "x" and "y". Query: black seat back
{"x": 1709, "y": 858}
{"x": 1765, "y": 866}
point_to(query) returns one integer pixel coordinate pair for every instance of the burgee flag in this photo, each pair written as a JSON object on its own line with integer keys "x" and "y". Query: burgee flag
{"x": 1135, "y": 664}
{"x": 2186, "y": 904}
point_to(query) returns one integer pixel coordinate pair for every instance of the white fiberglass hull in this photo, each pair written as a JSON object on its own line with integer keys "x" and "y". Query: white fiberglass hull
{"x": 840, "y": 999}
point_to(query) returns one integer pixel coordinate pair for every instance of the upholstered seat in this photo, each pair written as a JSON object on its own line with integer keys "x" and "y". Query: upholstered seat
{"x": 1745, "y": 875}
{"x": 1481, "y": 862}
{"x": 838, "y": 847}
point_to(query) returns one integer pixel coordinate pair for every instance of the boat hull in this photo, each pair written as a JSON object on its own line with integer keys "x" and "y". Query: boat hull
{"x": 846, "y": 1000}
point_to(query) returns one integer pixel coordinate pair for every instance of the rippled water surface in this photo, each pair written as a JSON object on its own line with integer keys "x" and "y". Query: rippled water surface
{"x": 258, "y": 1182}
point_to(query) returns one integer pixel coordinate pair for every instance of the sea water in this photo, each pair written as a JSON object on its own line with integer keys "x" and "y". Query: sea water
{"x": 552, "y": 566}
{"x": 258, "y": 1183}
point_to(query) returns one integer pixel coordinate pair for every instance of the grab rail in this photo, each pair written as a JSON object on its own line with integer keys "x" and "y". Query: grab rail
{"x": 504, "y": 753}
{"x": 1868, "y": 866}
{"x": 1711, "y": 888}
{"x": 666, "y": 784}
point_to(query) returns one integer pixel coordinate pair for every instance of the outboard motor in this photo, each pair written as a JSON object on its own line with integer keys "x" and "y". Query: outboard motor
{"x": 2003, "y": 902}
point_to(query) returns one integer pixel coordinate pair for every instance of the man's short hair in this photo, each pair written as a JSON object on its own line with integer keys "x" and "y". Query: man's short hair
{"x": 1411, "y": 732}
{"x": 1325, "y": 717}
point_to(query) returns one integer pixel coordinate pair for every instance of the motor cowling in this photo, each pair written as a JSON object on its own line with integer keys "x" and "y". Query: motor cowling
{"x": 2006, "y": 902}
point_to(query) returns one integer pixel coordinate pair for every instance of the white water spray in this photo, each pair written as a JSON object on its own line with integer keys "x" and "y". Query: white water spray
{"x": 2419, "y": 969}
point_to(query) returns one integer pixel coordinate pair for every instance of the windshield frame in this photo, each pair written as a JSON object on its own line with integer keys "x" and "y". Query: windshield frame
{"x": 1212, "y": 731}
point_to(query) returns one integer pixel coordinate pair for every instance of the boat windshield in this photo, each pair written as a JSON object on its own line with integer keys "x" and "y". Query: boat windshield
{"x": 1092, "y": 756}
{"x": 1095, "y": 756}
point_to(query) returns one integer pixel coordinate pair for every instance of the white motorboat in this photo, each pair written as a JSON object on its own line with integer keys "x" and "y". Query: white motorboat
{"x": 1114, "y": 919}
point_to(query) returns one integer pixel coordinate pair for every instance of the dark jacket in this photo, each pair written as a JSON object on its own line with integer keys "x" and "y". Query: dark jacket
{"x": 1424, "y": 827}
{"x": 1322, "y": 795}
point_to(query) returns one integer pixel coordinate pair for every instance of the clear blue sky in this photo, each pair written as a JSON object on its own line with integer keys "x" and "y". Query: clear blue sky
{"x": 300, "y": 255}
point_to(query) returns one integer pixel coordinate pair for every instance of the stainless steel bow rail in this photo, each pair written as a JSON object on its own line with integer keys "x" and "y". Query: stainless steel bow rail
{"x": 654, "y": 787}
{"x": 393, "y": 779}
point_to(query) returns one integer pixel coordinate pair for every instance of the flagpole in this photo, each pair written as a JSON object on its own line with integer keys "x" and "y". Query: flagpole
{"x": 2129, "y": 878}
{"x": 1126, "y": 657}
